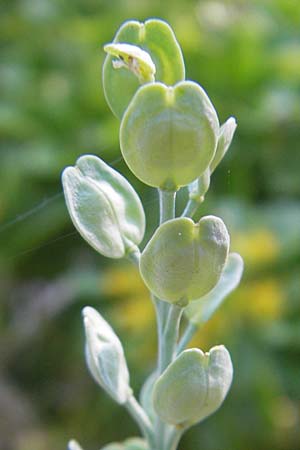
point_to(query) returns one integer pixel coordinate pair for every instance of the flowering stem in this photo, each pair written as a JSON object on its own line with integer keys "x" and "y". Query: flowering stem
{"x": 166, "y": 205}
{"x": 191, "y": 208}
{"x": 186, "y": 337}
{"x": 169, "y": 337}
{"x": 141, "y": 418}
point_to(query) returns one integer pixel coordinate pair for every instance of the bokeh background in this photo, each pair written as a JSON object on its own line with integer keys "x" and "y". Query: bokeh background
{"x": 246, "y": 54}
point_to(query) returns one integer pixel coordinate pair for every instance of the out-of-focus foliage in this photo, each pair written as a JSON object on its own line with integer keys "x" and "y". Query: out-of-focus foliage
{"x": 246, "y": 54}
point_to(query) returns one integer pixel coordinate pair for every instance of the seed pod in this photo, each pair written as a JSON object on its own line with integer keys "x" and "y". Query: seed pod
{"x": 157, "y": 39}
{"x": 184, "y": 260}
{"x": 168, "y": 135}
{"x": 193, "y": 386}
{"x": 201, "y": 310}
{"x": 105, "y": 356}
{"x": 103, "y": 206}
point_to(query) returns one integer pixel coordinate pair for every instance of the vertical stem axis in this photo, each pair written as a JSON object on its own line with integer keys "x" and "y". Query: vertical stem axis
{"x": 186, "y": 337}
{"x": 169, "y": 337}
{"x": 166, "y": 205}
{"x": 141, "y": 418}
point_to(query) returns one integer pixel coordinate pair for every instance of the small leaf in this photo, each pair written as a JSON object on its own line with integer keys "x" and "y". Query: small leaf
{"x": 193, "y": 386}
{"x": 184, "y": 260}
{"x": 168, "y": 135}
{"x": 201, "y": 310}
{"x": 103, "y": 206}
{"x": 105, "y": 356}
{"x": 157, "y": 39}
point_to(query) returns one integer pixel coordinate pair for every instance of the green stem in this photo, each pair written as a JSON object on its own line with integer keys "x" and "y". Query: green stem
{"x": 186, "y": 337}
{"x": 168, "y": 342}
{"x": 166, "y": 205}
{"x": 134, "y": 255}
{"x": 191, "y": 208}
{"x": 142, "y": 419}
{"x": 173, "y": 439}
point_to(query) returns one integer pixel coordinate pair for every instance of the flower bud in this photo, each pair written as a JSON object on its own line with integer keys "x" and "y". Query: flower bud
{"x": 128, "y": 444}
{"x": 134, "y": 59}
{"x": 105, "y": 356}
{"x": 168, "y": 135}
{"x": 156, "y": 38}
{"x": 199, "y": 187}
{"x": 184, "y": 260}
{"x": 103, "y": 206}
{"x": 201, "y": 310}
{"x": 73, "y": 445}
{"x": 225, "y": 137}
{"x": 193, "y": 386}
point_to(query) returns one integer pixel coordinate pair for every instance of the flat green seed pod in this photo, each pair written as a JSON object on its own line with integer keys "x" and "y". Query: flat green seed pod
{"x": 184, "y": 260}
{"x": 193, "y": 386}
{"x": 135, "y": 443}
{"x": 168, "y": 135}
{"x": 155, "y": 37}
{"x": 103, "y": 206}
{"x": 201, "y": 310}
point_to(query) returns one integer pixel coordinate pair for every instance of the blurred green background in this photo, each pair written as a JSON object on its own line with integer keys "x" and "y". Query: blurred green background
{"x": 246, "y": 54}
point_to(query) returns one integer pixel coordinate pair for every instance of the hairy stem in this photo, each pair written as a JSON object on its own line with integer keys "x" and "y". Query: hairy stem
{"x": 166, "y": 205}
{"x": 142, "y": 419}
{"x": 191, "y": 208}
{"x": 186, "y": 337}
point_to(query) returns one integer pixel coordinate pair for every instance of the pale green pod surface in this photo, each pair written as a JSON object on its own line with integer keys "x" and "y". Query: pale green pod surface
{"x": 201, "y": 310}
{"x": 103, "y": 206}
{"x": 157, "y": 39}
{"x": 73, "y": 445}
{"x": 225, "y": 137}
{"x": 184, "y": 260}
{"x": 105, "y": 356}
{"x": 168, "y": 135}
{"x": 135, "y": 443}
{"x": 193, "y": 386}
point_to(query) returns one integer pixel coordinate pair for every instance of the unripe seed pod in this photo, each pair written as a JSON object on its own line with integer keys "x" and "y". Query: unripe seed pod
{"x": 156, "y": 38}
{"x": 169, "y": 135}
{"x": 184, "y": 260}
{"x": 193, "y": 386}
